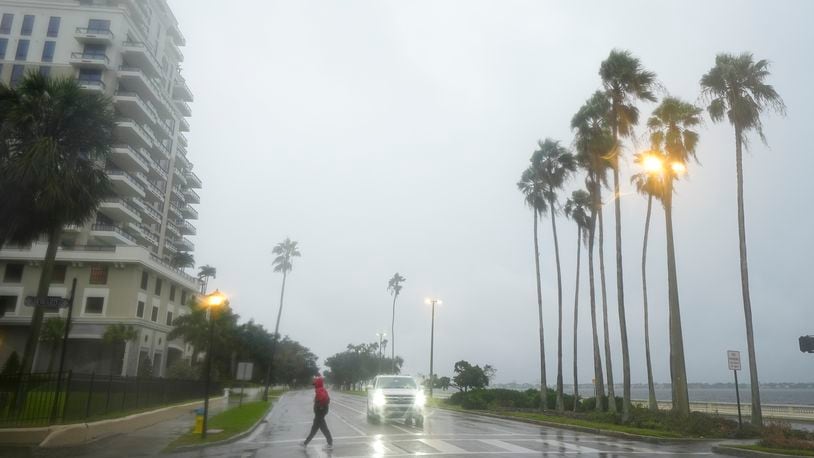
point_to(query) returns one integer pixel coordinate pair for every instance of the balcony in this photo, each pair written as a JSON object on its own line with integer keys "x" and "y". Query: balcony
{"x": 141, "y": 55}
{"x": 189, "y": 212}
{"x": 93, "y": 36}
{"x": 162, "y": 150}
{"x": 191, "y": 196}
{"x": 129, "y": 131}
{"x": 186, "y": 227}
{"x": 129, "y": 159}
{"x": 120, "y": 210}
{"x": 112, "y": 234}
{"x": 182, "y": 140}
{"x": 170, "y": 247}
{"x": 176, "y": 211}
{"x": 154, "y": 193}
{"x": 134, "y": 79}
{"x": 133, "y": 106}
{"x": 181, "y": 160}
{"x": 90, "y": 60}
{"x": 180, "y": 90}
{"x": 125, "y": 184}
{"x": 157, "y": 172}
{"x": 179, "y": 176}
{"x": 184, "y": 125}
{"x": 176, "y": 192}
{"x": 192, "y": 180}
{"x": 92, "y": 85}
{"x": 183, "y": 107}
{"x": 183, "y": 244}
{"x": 149, "y": 235}
{"x": 175, "y": 51}
{"x": 171, "y": 229}
{"x": 151, "y": 213}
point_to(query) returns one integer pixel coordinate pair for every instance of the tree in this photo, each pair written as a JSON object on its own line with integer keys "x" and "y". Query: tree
{"x": 625, "y": 81}
{"x": 286, "y": 251}
{"x": 671, "y": 133}
{"x": 53, "y": 331}
{"x": 193, "y": 327}
{"x": 555, "y": 164}
{"x": 736, "y": 88}
{"x": 577, "y": 207}
{"x": 593, "y": 141}
{"x": 529, "y": 185}
{"x": 54, "y": 139}
{"x": 204, "y": 274}
{"x": 469, "y": 377}
{"x": 115, "y": 335}
{"x": 650, "y": 185}
{"x": 183, "y": 259}
{"x": 394, "y": 286}
{"x": 357, "y": 365}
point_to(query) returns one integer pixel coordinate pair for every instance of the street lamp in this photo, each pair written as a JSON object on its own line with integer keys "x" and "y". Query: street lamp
{"x": 212, "y": 302}
{"x": 433, "y": 302}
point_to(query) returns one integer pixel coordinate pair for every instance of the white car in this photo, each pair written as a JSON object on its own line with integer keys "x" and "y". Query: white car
{"x": 395, "y": 396}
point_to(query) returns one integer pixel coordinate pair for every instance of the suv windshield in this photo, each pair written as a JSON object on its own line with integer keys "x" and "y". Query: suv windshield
{"x": 396, "y": 382}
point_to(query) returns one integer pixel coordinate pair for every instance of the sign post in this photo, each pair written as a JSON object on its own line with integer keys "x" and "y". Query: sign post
{"x": 244, "y": 372}
{"x": 734, "y": 359}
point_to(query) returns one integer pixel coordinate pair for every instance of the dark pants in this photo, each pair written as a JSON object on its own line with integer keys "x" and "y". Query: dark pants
{"x": 320, "y": 425}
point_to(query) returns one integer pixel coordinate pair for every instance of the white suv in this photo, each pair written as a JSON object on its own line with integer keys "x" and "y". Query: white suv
{"x": 395, "y": 396}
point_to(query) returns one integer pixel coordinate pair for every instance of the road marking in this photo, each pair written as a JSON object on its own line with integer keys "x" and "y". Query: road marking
{"x": 348, "y": 407}
{"x": 443, "y": 447}
{"x": 508, "y": 447}
{"x": 348, "y": 423}
{"x": 567, "y": 446}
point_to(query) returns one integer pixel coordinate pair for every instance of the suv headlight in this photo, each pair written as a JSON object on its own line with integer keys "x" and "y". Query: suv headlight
{"x": 420, "y": 399}
{"x": 378, "y": 399}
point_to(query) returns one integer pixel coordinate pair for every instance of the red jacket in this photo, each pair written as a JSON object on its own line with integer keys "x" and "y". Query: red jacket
{"x": 321, "y": 398}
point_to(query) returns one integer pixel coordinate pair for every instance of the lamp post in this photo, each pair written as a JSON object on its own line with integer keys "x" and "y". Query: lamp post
{"x": 381, "y": 336}
{"x": 433, "y": 302}
{"x": 211, "y": 301}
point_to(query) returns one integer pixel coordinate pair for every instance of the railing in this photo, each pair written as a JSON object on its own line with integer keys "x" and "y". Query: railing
{"x": 783, "y": 411}
{"x": 32, "y": 399}
{"x": 111, "y": 228}
{"x": 123, "y": 203}
{"x": 137, "y": 155}
{"x": 127, "y": 176}
{"x": 93, "y": 248}
{"x": 90, "y": 57}
{"x": 191, "y": 175}
{"x": 89, "y": 83}
{"x": 140, "y": 130}
{"x": 191, "y": 211}
{"x": 87, "y": 31}
{"x": 173, "y": 268}
{"x": 191, "y": 192}
{"x": 146, "y": 106}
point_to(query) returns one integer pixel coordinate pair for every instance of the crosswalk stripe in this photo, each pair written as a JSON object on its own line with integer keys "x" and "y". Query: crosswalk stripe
{"x": 508, "y": 446}
{"x": 443, "y": 447}
{"x": 567, "y": 446}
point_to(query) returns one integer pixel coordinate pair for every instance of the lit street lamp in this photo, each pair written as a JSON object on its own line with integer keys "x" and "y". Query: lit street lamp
{"x": 212, "y": 302}
{"x": 433, "y": 302}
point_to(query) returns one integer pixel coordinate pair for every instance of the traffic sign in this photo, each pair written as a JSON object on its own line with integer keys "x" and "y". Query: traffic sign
{"x": 49, "y": 302}
{"x": 244, "y": 371}
{"x": 734, "y": 359}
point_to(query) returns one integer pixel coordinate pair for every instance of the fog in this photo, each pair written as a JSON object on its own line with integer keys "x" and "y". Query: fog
{"x": 388, "y": 137}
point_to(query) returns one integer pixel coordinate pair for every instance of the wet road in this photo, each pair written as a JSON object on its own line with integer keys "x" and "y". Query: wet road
{"x": 447, "y": 434}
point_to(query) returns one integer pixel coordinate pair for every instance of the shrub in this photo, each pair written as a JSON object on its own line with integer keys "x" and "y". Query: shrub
{"x": 182, "y": 370}
{"x": 780, "y": 435}
{"x": 502, "y": 399}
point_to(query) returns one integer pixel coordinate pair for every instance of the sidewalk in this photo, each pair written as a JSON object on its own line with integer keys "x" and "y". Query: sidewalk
{"x": 144, "y": 442}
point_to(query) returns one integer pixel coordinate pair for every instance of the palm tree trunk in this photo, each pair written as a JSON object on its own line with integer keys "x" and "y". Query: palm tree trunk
{"x": 599, "y": 386}
{"x": 543, "y": 383}
{"x": 620, "y": 292}
{"x": 42, "y": 293}
{"x": 393, "y": 333}
{"x": 560, "y": 398}
{"x": 608, "y": 362}
{"x": 651, "y": 391}
{"x": 576, "y": 319}
{"x": 757, "y": 412}
{"x": 681, "y": 399}
{"x": 274, "y": 339}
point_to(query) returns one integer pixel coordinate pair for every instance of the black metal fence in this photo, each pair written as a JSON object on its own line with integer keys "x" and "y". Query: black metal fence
{"x": 33, "y": 400}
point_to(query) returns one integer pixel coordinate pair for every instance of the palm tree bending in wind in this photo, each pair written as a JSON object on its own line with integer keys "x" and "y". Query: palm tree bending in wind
{"x": 394, "y": 286}
{"x": 555, "y": 164}
{"x": 624, "y": 81}
{"x": 736, "y": 88}
{"x": 204, "y": 274}
{"x": 577, "y": 207}
{"x": 529, "y": 186}
{"x": 286, "y": 251}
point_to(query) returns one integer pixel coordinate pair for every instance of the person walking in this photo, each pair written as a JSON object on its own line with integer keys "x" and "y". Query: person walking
{"x": 321, "y": 402}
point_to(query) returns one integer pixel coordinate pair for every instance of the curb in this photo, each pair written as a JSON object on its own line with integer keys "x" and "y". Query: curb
{"x": 735, "y": 451}
{"x": 229, "y": 440}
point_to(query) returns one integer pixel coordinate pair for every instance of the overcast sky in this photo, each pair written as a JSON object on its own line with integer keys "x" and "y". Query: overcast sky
{"x": 388, "y": 136}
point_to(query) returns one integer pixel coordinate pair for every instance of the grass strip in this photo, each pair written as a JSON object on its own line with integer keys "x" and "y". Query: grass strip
{"x": 232, "y": 422}
{"x": 779, "y": 451}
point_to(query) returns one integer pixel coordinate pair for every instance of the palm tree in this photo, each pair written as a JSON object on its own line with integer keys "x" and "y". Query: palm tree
{"x": 577, "y": 207}
{"x": 648, "y": 184}
{"x": 204, "y": 274}
{"x": 55, "y": 139}
{"x": 593, "y": 140}
{"x": 556, "y": 164}
{"x": 53, "y": 331}
{"x": 736, "y": 88}
{"x": 529, "y": 186}
{"x": 286, "y": 251}
{"x": 183, "y": 259}
{"x": 671, "y": 132}
{"x": 625, "y": 82}
{"x": 394, "y": 286}
{"x": 115, "y": 335}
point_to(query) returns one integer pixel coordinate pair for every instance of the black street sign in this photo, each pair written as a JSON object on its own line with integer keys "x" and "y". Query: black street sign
{"x": 49, "y": 302}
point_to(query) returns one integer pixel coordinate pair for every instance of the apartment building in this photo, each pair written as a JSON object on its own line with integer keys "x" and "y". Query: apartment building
{"x": 123, "y": 259}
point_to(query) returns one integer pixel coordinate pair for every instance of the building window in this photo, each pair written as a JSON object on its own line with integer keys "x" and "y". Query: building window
{"x": 3, "y": 47}
{"x": 58, "y": 274}
{"x": 154, "y": 315}
{"x": 98, "y": 25}
{"x": 17, "y": 72}
{"x": 48, "y": 51}
{"x": 169, "y": 318}
{"x": 14, "y": 273}
{"x": 53, "y": 26}
{"x": 98, "y": 274}
{"x": 95, "y": 305}
{"x": 45, "y": 71}
{"x": 183, "y": 297}
{"x": 140, "y": 309}
{"x": 172, "y": 292}
{"x": 5, "y": 23}
{"x": 28, "y": 25}
{"x": 157, "y": 286}
{"x": 88, "y": 74}
{"x": 8, "y": 304}
{"x": 94, "y": 51}
{"x": 22, "y": 50}
{"x": 144, "y": 278}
